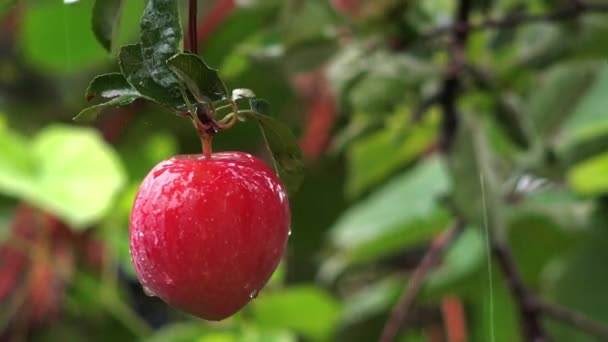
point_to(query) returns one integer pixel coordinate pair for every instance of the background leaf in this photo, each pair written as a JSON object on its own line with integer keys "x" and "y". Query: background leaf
{"x": 106, "y": 20}
{"x": 78, "y": 181}
{"x": 272, "y": 310}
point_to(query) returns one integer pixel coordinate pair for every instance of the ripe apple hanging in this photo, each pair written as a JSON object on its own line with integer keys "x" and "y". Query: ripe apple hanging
{"x": 207, "y": 231}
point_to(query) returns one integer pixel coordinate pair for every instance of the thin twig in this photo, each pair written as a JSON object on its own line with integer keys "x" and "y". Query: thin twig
{"x": 430, "y": 259}
{"x": 573, "y": 318}
{"x": 192, "y": 31}
{"x": 513, "y": 21}
{"x": 530, "y": 315}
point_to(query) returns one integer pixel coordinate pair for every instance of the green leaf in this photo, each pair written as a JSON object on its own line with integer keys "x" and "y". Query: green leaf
{"x": 373, "y": 299}
{"x": 106, "y": 20}
{"x": 476, "y": 173}
{"x": 286, "y": 154}
{"x": 179, "y": 332}
{"x": 110, "y": 86}
{"x": 557, "y": 96}
{"x": 137, "y": 73}
{"x": 90, "y": 113}
{"x": 462, "y": 259}
{"x": 401, "y": 213}
{"x": 367, "y": 161}
{"x": 581, "y": 285}
{"x": 66, "y": 170}
{"x": 590, "y": 116}
{"x": 57, "y": 37}
{"x": 145, "y": 65}
{"x": 378, "y": 94}
{"x": 204, "y": 82}
{"x": 589, "y": 177}
{"x": 308, "y": 310}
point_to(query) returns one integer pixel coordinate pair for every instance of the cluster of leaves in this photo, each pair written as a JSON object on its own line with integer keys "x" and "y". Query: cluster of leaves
{"x": 157, "y": 69}
{"x": 529, "y": 157}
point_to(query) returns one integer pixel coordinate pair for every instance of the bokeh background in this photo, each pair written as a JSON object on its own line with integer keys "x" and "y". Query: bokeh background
{"x": 527, "y": 162}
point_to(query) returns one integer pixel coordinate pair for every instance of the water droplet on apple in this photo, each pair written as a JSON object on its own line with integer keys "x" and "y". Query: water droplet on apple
{"x": 289, "y": 232}
{"x": 253, "y": 294}
{"x": 149, "y": 292}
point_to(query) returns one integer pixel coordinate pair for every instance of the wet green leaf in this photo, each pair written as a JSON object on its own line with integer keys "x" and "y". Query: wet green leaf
{"x": 90, "y": 113}
{"x": 112, "y": 86}
{"x": 136, "y": 71}
{"x": 204, "y": 82}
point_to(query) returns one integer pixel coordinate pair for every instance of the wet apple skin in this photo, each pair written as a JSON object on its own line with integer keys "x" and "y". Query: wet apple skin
{"x": 206, "y": 233}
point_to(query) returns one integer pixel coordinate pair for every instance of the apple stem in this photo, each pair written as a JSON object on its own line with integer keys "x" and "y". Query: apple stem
{"x": 205, "y": 126}
{"x": 206, "y": 140}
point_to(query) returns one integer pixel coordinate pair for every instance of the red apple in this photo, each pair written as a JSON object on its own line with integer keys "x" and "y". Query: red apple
{"x": 207, "y": 232}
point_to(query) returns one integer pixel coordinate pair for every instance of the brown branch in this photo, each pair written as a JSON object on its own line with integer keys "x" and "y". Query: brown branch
{"x": 192, "y": 30}
{"x": 530, "y": 315}
{"x": 430, "y": 259}
{"x": 573, "y": 318}
{"x": 451, "y": 84}
{"x": 570, "y": 12}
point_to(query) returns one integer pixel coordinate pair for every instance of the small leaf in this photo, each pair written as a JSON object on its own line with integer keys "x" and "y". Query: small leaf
{"x": 204, "y": 82}
{"x": 106, "y": 20}
{"x": 137, "y": 73}
{"x": 110, "y": 86}
{"x": 283, "y": 145}
{"x": 90, "y": 113}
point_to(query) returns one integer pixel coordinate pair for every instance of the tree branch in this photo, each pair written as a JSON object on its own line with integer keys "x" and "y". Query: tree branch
{"x": 572, "y": 11}
{"x": 430, "y": 259}
{"x": 573, "y": 318}
{"x": 530, "y": 315}
{"x": 451, "y": 83}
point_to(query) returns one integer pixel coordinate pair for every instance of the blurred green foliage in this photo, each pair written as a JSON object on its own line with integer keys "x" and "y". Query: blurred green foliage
{"x": 374, "y": 195}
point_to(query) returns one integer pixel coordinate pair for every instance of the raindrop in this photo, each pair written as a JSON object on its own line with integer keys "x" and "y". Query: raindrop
{"x": 149, "y": 292}
{"x": 289, "y": 232}
{"x": 168, "y": 279}
{"x": 253, "y": 294}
